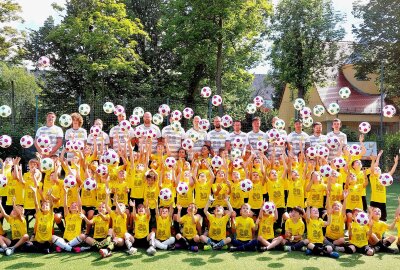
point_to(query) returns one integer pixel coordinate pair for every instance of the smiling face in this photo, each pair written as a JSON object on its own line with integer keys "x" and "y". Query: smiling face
{"x": 50, "y": 119}
{"x": 314, "y": 213}
{"x": 245, "y": 210}
{"x": 164, "y": 212}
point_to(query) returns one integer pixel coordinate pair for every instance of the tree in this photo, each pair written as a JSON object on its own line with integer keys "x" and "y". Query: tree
{"x": 378, "y": 42}
{"x": 304, "y": 36}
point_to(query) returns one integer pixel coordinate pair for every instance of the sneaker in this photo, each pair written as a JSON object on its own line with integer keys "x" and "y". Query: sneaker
{"x": 377, "y": 248}
{"x": 171, "y": 247}
{"x": 334, "y": 254}
{"x": 232, "y": 249}
{"x": 206, "y": 247}
{"x": 58, "y": 249}
{"x": 9, "y": 251}
{"x": 339, "y": 249}
{"x": 194, "y": 248}
{"x": 287, "y": 248}
{"x": 303, "y": 249}
{"x": 308, "y": 251}
{"x": 76, "y": 249}
{"x": 151, "y": 251}
{"x": 262, "y": 249}
{"x": 46, "y": 251}
{"x": 132, "y": 251}
{"x": 105, "y": 253}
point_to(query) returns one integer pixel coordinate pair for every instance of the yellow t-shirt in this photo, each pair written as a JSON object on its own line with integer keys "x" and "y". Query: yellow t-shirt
{"x": 15, "y": 189}
{"x": 141, "y": 226}
{"x": 29, "y": 195}
{"x": 217, "y": 230}
{"x": 202, "y": 193}
{"x": 296, "y": 193}
{"x": 220, "y": 198}
{"x": 314, "y": 231}
{"x": 101, "y": 227}
{"x": 18, "y": 227}
{"x": 398, "y": 227}
{"x": 72, "y": 195}
{"x": 360, "y": 179}
{"x": 137, "y": 184}
{"x": 237, "y": 196}
{"x": 185, "y": 199}
{"x": 256, "y": 195}
{"x": 120, "y": 189}
{"x": 336, "y": 193}
{"x": 335, "y": 230}
{"x": 88, "y": 197}
{"x": 244, "y": 228}
{"x": 100, "y": 193}
{"x": 378, "y": 191}
{"x": 353, "y": 200}
{"x": 379, "y": 228}
{"x": 47, "y": 183}
{"x": 44, "y": 226}
{"x": 359, "y": 235}
{"x": 8, "y": 175}
{"x": 119, "y": 224}
{"x": 150, "y": 193}
{"x": 171, "y": 187}
{"x": 58, "y": 192}
{"x": 295, "y": 228}
{"x": 276, "y": 192}
{"x": 316, "y": 195}
{"x": 266, "y": 227}
{"x": 189, "y": 228}
{"x": 163, "y": 228}
{"x": 73, "y": 225}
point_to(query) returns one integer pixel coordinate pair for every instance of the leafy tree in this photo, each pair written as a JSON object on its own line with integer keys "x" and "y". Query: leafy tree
{"x": 304, "y": 35}
{"x": 378, "y": 41}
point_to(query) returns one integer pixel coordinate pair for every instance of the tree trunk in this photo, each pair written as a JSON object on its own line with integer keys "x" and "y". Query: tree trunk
{"x": 218, "y": 76}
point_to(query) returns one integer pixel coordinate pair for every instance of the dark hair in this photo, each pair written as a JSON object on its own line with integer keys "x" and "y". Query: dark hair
{"x": 298, "y": 120}
{"x": 256, "y": 119}
{"x": 316, "y": 124}
{"x": 299, "y": 210}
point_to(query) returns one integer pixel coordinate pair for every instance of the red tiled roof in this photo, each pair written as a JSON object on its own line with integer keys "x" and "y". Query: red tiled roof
{"x": 357, "y": 103}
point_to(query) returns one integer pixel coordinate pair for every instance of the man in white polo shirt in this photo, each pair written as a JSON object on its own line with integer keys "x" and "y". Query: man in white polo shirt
{"x": 336, "y": 125}
{"x": 147, "y": 125}
{"x": 217, "y": 137}
{"x": 117, "y": 136}
{"x": 317, "y": 138}
{"x": 255, "y": 134}
{"x": 174, "y": 138}
{"x": 202, "y": 136}
{"x": 237, "y": 133}
{"x": 297, "y": 136}
{"x": 55, "y": 134}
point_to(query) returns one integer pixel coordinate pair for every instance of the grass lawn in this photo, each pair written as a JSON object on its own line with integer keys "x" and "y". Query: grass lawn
{"x": 210, "y": 259}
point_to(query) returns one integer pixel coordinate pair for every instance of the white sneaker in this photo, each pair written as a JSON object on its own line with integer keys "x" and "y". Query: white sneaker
{"x": 9, "y": 251}
{"x": 104, "y": 253}
{"x": 151, "y": 251}
{"x": 132, "y": 251}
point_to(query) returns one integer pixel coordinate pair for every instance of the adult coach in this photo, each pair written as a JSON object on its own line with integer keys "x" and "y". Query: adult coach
{"x": 147, "y": 125}
{"x": 173, "y": 138}
{"x": 317, "y": 138}
{"x": 218, "y": 137}
{"x": 297, "y": 137}
{"x": 54, "y": 132}
{"x": 336, "y": 125}
{"x": 117, "y": 136}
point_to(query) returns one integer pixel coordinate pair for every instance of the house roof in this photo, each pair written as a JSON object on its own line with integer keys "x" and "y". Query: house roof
{"x": 358, "y": 102}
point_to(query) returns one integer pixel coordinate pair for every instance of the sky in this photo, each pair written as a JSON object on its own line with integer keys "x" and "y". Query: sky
{"x": 35, "y": 12}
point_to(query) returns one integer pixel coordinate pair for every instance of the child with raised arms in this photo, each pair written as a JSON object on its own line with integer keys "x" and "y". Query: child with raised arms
{"x": 101, "y": 237}
{"x": 164, "y": 240}
{"x": 378, "y": 238}
{"x": 265, "y": 223}
{"x": 189, "y": 238}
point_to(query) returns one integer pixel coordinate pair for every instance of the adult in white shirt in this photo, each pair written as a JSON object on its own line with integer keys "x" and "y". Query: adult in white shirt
{"x": 54, "y": 132}
{"x": 218, "y": 137}
{"x": 279, "y": 150}
{"x": 202, "y": 136}
{"x": 117, "y": 136}
{"x": 237, "y": 133}
{"x": 317, "y": 138}
{"x": 174, "y": 138}
{"x": 102, "y": 138}
{"x": 147, "y": 125}
{"x": 298, "y": 137}
{"x": 336, "y": 125}
{"x": 255, "y": 134}
{"x": 76, "y": 132}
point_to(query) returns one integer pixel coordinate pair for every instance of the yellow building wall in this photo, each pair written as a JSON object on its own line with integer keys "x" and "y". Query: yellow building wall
{"x": 368, "y": 87}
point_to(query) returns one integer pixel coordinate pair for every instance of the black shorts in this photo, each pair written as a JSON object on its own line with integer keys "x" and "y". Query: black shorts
{"x": 256, "y": 212}
{"x": 30, "y": 212}
{"x": 349, "y": 211}
{"x": 88, "y": 208}
{"x": 362, "y": 250}
{"x": 59, "y": 210}
{"x": 183, "y": 211}
{"x": 141, "y": 242}
{"x": 237, "y": 211}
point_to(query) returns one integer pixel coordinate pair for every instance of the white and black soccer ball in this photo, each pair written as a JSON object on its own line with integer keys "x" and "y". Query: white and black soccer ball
{"x": 170, "y": 162}
{"x": 237, "y": 163}
{"x": 339, "y": 162}
{"x": 5, "y": 111}
{"x": 135, "y": 120}
{"x": 138, "y": 111}
{"x": 5, "y": 141}
{"x": 139, "y": 132}
{"x": 311, "y": 152}
{"x": 193, "y": 135}
{"x": 157, "y": 119}
{"x": 333, "y": 108}
{"x": 246, "y": 185}
{"x": 187, "y": 144}
{"x": 280, "y": 124}
{"x": 238, "y": 143}
{"x": 344, "y": 92}
{"x": 273, "y": 134}
{"x": 269, "y": 208}
{"x": 108, "y": 107}
{"x": 89, "y": 184}
{"x": 176, "y": 115}
{"x": 362, "y": 218}
{"x": 389, "y": 111}
{"x": 262, "y": 145}
{"x": 308, "y": 121}
{"x": 318, "y": 110}
{"x": 165, "y": 194}
{"x": 125, "y": 125}
{"x": 355, "y": 150}
{"x": 205, "y": 92}
{"x": 46, "y": 164}
{"x": 65, "y": 120}
{"x": 251, "y": 108}
{"x": 118, "y": 110}
{"x": 305, "y": 112}
{"x": 323, "y": 151}
{"x": 176, "y": 126}
{"x": 70, "y": 181}
{"x": 43, "y": 141}
{"x": 84, "y": 109}
{"x": 3, "y": 181}
{"x": 216, "y": 100}
{"x": 164, "y": 109}
{"x": 386, "y": 179}
{"x": 226, "y": 121}
{"x": 110, "y": 157}
{"x": 102, "y": 170}
{"x": 236, "y": 153}
{"x": 325, "y": 170}
{"x": 258, "y": 101}
{"x": 333, "y": 142}
{"x": 95, "y": 130}
{"x": 204, "y": 124}
{"x": 298, "y": 104}
{"x": 216, "y": 162}
{"x": 182, "y": 188}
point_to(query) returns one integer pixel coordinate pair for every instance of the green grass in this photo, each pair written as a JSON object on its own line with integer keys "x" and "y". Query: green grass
{"x": 208, "y": 259}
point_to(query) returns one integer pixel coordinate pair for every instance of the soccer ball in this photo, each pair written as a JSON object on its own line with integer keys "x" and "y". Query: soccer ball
{"x": 216, "y": 162}
{"x": 26, "y": 141}
{"x": 318, "y": 110}
{"x": 355, "y": 150}
{"x": 339, "y": 162}
{"x": 333, "y": 108}
{"x": 323, "y": 151}
{"x": 299, "y": 103}
{"x": 108, "y": 107}
{"x": 176, "y": 126}
{"x": 84, "y": 109}
{"x": 46, "y": 150}
{"x": 273, "y": 134}
{"x": 188, "y": 113}
{"x": 308, "y": 121}
{"x": 388, "y": 111}
{"x": 251, "y": 108}
{"x": 281, "y": 141}
{"x": 69, "y": 181}
{"x": 237, "y": 163}
{"x": 5, "y": 141}
{"x": 164, "y": 109}
{"x": 43, "y": 61}
{"x": 385, "y": 179}
{"x": 3, "y": 181}
{"x": 65, "y": 120}
{"x": 236, "y": 153}
{"x": 246, "y": 185}
{"x": 102, "y": 170}
{"x": 138, "y": 132}
{"x": 182, "y": 188}
{"x": 110, "y": 157}
{"x": 176, "y": 115}
{"x": 364, "y": 127}
{"x": 279, "y": 124}
{"x": 311, "y": 152}
{"x": 78, "y": 145}
{"x": 157, "y": 119}
{"x": 226, "y": 121}
{"x": 269, "y": 208}
{"x": 344, "y": 92}
{"x": 305, "y": 112}
{"x": 125, "y": 125}
{"x": 262, "y": 145}
{"x": 95, "y": 130}
{"x": 325, "y": 170}
{"x": 43, "y": 141}
{"x": 216, "y": 100}
{"x": 5, "y": 111}
{"x": 165, "y": 194}
{"x": 258, "y": 101}
{"x": 333, "y": 142}
{"x": 68, "y": 146}
{"x": 187, "y": 144}
{"x": 89, "y": 184}
{"x": 46, "y": 164}
{"x": 204, "y": 124}
{"x": 118, "y": 110}
{"x": 150, "y": 133}
{"x": 193, "y": 135}
{"x": 362, "y": 218}
{"x": 170, "y": 162}
{"x": 205, "y": 92}
{"x": 135, "y": 120}
{"x": 238, "y": 143}
{"x": 138, "y": 111}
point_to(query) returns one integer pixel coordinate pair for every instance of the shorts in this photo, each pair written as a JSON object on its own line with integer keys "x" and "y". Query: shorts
{"x": 88, "y": 208}
{"x": 59, "y": 210}
{"x": 237, "y": 211}
{"x": 183, "y": 211}
{"x": 141, "y": 242}
{"x": 362, "y": 250}
{"x": 256, "y": 212}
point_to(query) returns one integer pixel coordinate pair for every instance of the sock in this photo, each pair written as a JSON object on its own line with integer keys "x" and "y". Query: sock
{"x": 128, "y": 243}
{"x": 209, "y": 242}
{"x": 220, "y": 244}
{"x": 59, "y": 242}
{"x": 298, "y": 245}
{"x": 111, "y": 246}
{"x": 152, "y": 239}
{"x": 74, "y": 242}
{"x": 1, "y": 249}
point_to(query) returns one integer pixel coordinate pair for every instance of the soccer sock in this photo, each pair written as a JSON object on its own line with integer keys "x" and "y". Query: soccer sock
{"x": 128, "y": 243}
{"x": 209, "y": 242}
{"x": 152, "y": 239}
{"x": 348, "y": 250}
{"x": 298, "y": 245}
{"x": 220, "y": 244}
{"x": 74, "y": 242}
{"x": 59, "y": 242}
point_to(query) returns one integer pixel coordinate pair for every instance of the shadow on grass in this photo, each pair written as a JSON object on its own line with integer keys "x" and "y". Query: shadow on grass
{"x": 244, "y": 254}
{"x": 123, "y": 265}
{"x": 23, "y": 265}
{"x": 194, "y": 261}
{"x": 310, "y": 268}
{"x": 215, "y": 260}
{"x": 264, "y": 259}
{"x": 276, "y": 265}
{"x": 158, "y": 256}
{"x": 352, "y": 260}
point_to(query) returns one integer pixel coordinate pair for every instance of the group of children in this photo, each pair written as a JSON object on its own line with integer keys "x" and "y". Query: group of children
{"x": 290, "y": 206}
